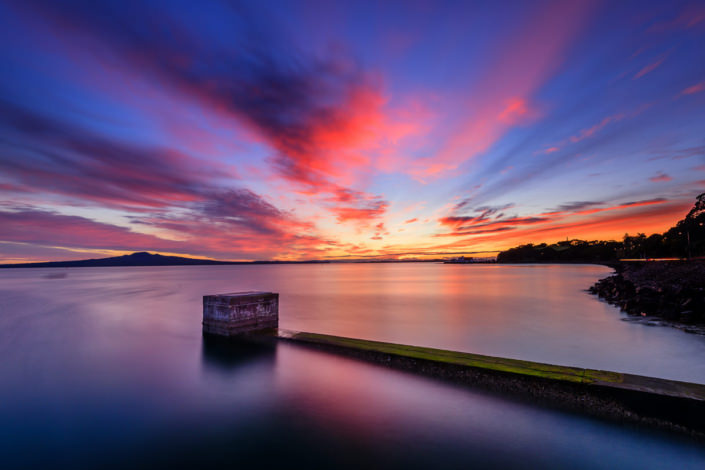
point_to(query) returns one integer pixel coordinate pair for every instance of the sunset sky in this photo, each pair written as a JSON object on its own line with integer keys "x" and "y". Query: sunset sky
{"x": 323, "y": 130}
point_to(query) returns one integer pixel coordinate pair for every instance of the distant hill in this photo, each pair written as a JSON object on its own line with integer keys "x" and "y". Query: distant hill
{"x": 148, "y": 259}
{"x": 135, "y": 259}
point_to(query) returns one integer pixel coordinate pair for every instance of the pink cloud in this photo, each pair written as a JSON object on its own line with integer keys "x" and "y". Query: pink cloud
{"x": 639, "y": 216}
{"x": 649, "y": 68}
{"x": 499, "y": 225}
{"x": 502, "y": 98}
{"x": 588, "y": 208}
{"x": 595, "y": 128}
{"x": 516, "y": 109}
{"x": 229, "y": 225}
{"x": 358, "y": 207}
{"x": 365, "y": 214}
{"x": 487, "y": 222}
{"x": 660, "y": 177}
{"x": 689, "y": 16}
{"x": 92, "y": 169}
{"x": 52, "y": 229}
{"x": 691, "y": 90}
{"x": 327, "y": 120}
{"x": 590, "y": 131}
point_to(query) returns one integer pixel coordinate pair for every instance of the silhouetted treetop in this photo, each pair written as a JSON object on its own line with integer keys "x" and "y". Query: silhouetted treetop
{"x": 685, "y": 240}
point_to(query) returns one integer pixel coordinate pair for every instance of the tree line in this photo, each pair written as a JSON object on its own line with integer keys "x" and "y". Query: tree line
{"x": 684, "y": 240}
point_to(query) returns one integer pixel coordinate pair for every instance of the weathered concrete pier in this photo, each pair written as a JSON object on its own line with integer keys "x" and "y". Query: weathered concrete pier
{"x": 661, "y": 403}
{"x": 240, "y": 312}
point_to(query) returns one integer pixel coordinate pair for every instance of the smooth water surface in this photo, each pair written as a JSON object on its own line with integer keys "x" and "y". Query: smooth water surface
{"x": 107, "y": 367}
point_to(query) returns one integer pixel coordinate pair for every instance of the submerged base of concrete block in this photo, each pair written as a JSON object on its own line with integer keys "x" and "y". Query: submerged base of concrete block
{"x": 240, "y": 312}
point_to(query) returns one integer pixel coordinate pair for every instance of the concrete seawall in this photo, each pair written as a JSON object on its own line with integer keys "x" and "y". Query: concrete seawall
{"x": 646, "y": 401}
{"x": 627, "y": 398}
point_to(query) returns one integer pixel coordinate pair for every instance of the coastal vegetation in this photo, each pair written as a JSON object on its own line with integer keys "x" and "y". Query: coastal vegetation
{"x": 671, "y": 289}
{"x": 686, "y": 239}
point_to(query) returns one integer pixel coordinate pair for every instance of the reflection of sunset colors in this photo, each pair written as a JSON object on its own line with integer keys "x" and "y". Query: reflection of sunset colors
{"x": 344, "y": 131}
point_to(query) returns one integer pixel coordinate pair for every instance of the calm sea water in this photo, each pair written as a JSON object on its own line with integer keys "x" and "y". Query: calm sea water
{"x": 106, "y": 367}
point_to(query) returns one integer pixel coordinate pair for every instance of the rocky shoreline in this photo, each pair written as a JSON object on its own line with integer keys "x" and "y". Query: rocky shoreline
{"x": 670, "y": 293}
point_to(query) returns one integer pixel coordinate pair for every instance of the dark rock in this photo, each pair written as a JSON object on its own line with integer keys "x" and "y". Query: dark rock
{"x": 670, "y": 290}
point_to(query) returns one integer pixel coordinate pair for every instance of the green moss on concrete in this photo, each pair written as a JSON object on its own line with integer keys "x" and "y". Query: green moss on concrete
{"x": 505, "y": 365}
{"x": 457, "y": 358}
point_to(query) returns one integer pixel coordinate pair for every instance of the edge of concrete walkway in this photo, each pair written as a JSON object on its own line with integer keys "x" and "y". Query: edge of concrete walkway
{"x": 627, "y": 398}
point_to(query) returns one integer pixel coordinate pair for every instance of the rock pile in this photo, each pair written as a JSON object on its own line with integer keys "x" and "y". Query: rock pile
{"x": 672, "y": 290}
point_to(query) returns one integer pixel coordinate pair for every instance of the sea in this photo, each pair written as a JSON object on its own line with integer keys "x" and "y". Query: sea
{"x": 108, "y": 368}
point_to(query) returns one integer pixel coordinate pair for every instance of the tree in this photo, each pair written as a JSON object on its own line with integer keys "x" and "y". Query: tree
{"x": 685, "y": 239}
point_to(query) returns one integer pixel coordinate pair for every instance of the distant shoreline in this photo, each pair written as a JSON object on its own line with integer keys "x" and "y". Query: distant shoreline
{"x": 668, "y": 293}
{"x": 149, "y": 259}
{"x": 156, "y": 260}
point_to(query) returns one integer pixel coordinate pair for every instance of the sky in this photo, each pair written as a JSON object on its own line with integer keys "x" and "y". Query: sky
{"x": 344, "y": 130}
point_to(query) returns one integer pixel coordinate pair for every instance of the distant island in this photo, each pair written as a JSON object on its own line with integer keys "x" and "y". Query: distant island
{"x": 144, "y": 258}
{"x": 141, "y": 259}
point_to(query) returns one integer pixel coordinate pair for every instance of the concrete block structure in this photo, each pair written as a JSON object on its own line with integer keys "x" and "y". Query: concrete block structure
{"x": 240, "y": 312}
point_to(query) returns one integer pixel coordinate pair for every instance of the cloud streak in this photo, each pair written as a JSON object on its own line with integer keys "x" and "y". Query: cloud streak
{"x": 660, "y": 177}
{"x": 691, "y": 90}
{"x": 649, "y": 68}
{"x": 237, "y": 131}
{"x": 323, "y": 117}
{"x": 502, "y": 98}
{"x": 42, "y": 154}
